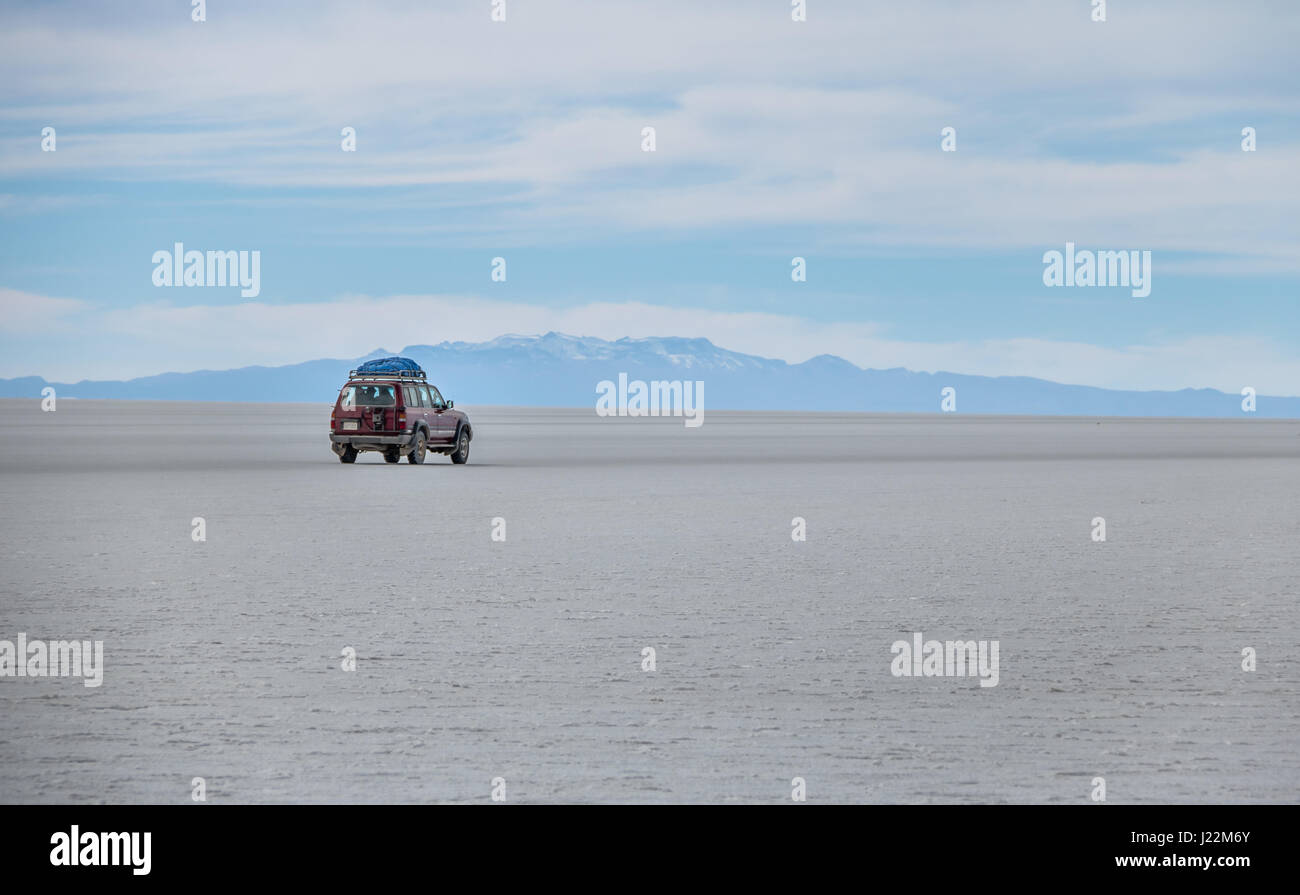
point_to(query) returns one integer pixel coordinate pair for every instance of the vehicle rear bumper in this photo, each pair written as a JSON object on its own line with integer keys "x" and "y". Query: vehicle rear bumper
{"x": 339, "y": 440}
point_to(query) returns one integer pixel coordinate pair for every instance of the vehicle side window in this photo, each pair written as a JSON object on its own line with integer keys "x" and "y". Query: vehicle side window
{"x": 409, "y": 394}
{"x": 437, "y": 398}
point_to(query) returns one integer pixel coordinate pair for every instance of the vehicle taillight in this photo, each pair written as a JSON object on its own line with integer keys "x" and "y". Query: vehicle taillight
{"x": 401, "y": 419}
{"x": 332, "y": 424}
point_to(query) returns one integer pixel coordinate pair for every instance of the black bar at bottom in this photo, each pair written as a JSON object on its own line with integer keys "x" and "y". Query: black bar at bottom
{"x": 335, "y": 844}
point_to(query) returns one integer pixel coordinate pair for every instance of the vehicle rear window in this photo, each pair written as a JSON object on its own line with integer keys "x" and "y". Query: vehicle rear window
{"x": 367, "y": 396}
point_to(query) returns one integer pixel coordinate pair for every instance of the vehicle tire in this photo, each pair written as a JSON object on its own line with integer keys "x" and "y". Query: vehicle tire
{"x": 461, "y": 454}
{"x": 391, "y": 455}
{"x": 349, "y": 455}
{"x": 417, "y": 453}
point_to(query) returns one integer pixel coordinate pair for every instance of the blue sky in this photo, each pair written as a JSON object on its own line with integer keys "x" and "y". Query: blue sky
{"x": 775, "y": 139}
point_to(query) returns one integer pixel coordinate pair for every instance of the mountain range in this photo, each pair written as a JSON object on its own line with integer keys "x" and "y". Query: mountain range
{"x": 558, "y": 370}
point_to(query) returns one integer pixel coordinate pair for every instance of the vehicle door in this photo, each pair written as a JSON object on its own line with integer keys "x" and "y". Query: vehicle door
{"x": 366, "y": 407}
{"x": 446, "y": 422}
{"x": 415, "y": 410}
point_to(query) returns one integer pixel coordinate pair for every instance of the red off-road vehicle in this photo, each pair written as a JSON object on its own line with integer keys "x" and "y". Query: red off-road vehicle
{"x": 388, "y": 406}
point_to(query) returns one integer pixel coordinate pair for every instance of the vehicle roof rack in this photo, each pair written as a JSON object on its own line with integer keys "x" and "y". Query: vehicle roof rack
{"x": 396, "y": 374}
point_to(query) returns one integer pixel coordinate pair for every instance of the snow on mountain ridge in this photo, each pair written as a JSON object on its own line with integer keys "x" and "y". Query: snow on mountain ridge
{"x": 691, "y": 353}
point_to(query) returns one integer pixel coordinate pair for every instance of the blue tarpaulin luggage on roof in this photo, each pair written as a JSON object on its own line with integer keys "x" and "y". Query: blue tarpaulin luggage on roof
{"x": 389, "y": 365}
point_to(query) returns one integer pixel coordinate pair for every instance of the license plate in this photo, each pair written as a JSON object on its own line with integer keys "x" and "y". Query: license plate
{"x": 349, "y": 425}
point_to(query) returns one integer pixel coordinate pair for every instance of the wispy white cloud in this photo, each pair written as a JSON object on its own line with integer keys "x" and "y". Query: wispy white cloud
{"x": 760, "y": 121}
{"x": 23, "y": 313}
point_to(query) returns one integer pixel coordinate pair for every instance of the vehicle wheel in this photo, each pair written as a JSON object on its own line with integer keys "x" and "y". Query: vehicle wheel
{"x": 417, "y": 453}
{"x": 461, "y": 454}
{"x": 391, "y": 455}
{"x": 349, "y": 455}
